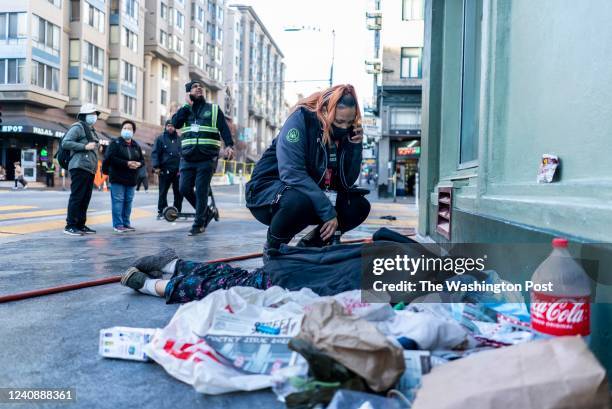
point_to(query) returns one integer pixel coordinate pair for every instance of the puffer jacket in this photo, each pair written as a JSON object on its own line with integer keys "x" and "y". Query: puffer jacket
{"x": 297, "y": 159}
{"x": 75, "y": 141}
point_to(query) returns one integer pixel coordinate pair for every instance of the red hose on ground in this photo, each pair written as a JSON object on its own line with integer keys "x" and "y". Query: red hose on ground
{"x": 115, "y": 279}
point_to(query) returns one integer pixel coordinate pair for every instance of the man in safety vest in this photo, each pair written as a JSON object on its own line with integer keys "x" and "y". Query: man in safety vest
{"x": 202, "y": 125}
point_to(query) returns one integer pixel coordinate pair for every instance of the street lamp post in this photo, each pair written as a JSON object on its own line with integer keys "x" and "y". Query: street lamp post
{"x": 333, "y": 33}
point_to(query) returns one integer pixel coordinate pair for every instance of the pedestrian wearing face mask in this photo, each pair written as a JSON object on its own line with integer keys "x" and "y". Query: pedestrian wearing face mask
{"x": 82, "y": 142}
{"x": 306, "y": 176}
{"x": 122, "y": 161}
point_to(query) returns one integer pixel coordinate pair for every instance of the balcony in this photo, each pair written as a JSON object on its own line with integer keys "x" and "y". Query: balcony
{"x": 169, "y": 55}
{"x": 374, "y": 23}
{"x": 32, "y": 95}
{"x": 374, "y": 14}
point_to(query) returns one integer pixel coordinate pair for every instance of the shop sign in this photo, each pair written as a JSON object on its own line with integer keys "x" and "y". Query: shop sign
{"x": 12, "y": 128}
{"x": 35, "y": 129}
{"x": 407, "y": 151}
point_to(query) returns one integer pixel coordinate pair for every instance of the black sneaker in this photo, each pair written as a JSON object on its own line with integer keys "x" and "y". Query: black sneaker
{"x": 153, "y": 264}
{"x": 196, "y": 230}
{"x": 311, "y": 239}
{"x": 73, "y": 231}
{"x": 129, "y": 228}
{"x": 160, "y": 216}
{"x": 133, "y": 278}
{"x": 87, "y": 230}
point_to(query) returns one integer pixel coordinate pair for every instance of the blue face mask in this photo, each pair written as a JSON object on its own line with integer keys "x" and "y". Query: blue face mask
{"x": 91, "y": 119}
{"x": 126, "y": 134}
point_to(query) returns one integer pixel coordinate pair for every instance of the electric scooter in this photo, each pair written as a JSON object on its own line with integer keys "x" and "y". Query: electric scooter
{"x": 171, "y": 213}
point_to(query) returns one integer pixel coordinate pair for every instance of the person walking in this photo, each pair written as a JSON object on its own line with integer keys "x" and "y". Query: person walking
{"x": 165, "y": 158}
{"x": 122, "y": 160}
{"x": 202, "y": 127}
{"x": 2, "y": 173}
{"x": 82, "y": 142}
{"x": 143, "y": 179}
{"x": 50, "y": 173}
{"x": 19, "y": 176}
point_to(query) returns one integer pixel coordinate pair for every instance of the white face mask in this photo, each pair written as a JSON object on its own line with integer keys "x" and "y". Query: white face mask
{"x": 91, "y": 119}
{"x": 126, "y": 134}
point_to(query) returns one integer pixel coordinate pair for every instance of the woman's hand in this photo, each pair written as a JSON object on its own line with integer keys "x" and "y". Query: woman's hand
{"x": 132, "y": 164}
{"x": 358, "y": 137}
{"x": 329, "y": 228}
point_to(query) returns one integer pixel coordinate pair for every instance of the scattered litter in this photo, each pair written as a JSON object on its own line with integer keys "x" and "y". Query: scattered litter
{"x": 125, "y": 343}
{"x": 388, "y": 217}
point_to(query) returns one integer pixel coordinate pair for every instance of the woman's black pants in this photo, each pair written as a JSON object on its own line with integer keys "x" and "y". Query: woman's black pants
{"x": 294, "y": 212}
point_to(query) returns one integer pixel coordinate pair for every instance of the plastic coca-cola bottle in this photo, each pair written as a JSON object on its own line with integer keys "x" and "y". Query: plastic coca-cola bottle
{"x": 566, "y": 309}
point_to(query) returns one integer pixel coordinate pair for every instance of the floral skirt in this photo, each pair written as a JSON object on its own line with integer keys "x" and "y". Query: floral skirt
{"x": 193, "y": 280}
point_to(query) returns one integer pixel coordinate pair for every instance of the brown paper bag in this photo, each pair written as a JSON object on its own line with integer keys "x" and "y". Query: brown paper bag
{"x": 355, "y": 343}
{"x": 560, "y": 373}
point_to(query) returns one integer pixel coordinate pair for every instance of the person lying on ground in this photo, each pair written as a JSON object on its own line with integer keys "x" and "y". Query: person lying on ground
{"x": 190, "y": 280}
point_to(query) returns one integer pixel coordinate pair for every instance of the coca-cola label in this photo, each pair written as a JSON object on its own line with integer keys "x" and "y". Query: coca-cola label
{"x": 560, "y": 315}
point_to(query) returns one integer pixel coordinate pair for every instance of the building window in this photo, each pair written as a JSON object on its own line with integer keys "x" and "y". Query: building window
{"x": 410, "y": 66}
{"x": 128, "y": 105}
{"x": 163, "y": 11}
{"x": 46, "y": 36}
{"x": 131, "y": 8}
{"x": 113, "y": 69}
{"x": 130, "y": 39}
{"x": 45, "y": 76}
{"x": 200, "y": 15}
{"x": 93, "y": 57}
{"x": 56, "y": 3}
{"x": 164, "y": 97}
{"x": 164, "y": 72}
{"x": 412, "y": 9}
{"x": 93, "y": 93}
{"x": 129, "y": 73}
{"x": 405, "y": 118}
{"x": 179, "y": 20}
{"x": 74, "y": 88}
{"x": 220, "y": 34}
{"x": 470, "y": 85}
{"x": 13, "y": 26}
{"x": 75, "y": 53}
{"x": 163, "y": 38}
{"x": 178, "y": 45}
{"x": 96, "y": 18}
{"x": 75, "y": 10}
{"x": 12, "y": 71}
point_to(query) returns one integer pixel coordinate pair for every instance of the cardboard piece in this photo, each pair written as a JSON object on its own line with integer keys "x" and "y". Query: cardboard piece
{"x": 559, "y": 373}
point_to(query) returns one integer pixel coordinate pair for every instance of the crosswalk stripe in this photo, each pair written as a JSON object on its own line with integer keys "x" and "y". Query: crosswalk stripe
{"x": 47, "y": 225}
{"x": 16, "y": 207}
{"x": 37, "y": 213}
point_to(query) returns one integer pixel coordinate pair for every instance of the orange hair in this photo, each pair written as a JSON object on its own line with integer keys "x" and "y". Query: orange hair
{"x": 324, "y": 104}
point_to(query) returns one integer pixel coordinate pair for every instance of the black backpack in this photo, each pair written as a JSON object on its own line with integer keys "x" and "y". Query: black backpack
{"x": 62, "y": 155}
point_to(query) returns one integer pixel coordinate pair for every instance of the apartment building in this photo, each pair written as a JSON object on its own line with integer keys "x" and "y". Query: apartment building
{"x": 131, "y": 58}
{"x": 256, "y": 74}
{"x": 395, "y": 108}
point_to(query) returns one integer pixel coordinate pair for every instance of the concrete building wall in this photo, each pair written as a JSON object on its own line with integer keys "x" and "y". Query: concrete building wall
{"x": 542, "y": 87}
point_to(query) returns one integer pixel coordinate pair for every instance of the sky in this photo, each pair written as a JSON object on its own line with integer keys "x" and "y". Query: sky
{"x": 308, "y": 53}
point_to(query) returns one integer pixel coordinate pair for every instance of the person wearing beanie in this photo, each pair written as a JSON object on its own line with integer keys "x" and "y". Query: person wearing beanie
{"x": 202, "y": 126}
{"x": 166, "y": 157}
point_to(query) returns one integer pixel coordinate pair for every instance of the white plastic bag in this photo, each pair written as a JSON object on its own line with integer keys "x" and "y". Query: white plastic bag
{"x": 180, "y": 349}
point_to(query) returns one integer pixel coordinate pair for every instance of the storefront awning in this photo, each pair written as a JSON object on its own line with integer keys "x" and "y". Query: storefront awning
{"x": 29, "y": 125}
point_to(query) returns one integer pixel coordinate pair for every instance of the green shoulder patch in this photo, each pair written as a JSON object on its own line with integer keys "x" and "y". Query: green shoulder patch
{"x": 293, "y": 135}
{"x": 207, "y": 114}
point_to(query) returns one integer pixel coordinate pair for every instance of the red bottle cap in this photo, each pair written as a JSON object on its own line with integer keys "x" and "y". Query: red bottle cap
{"x": 560, "y": 242}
